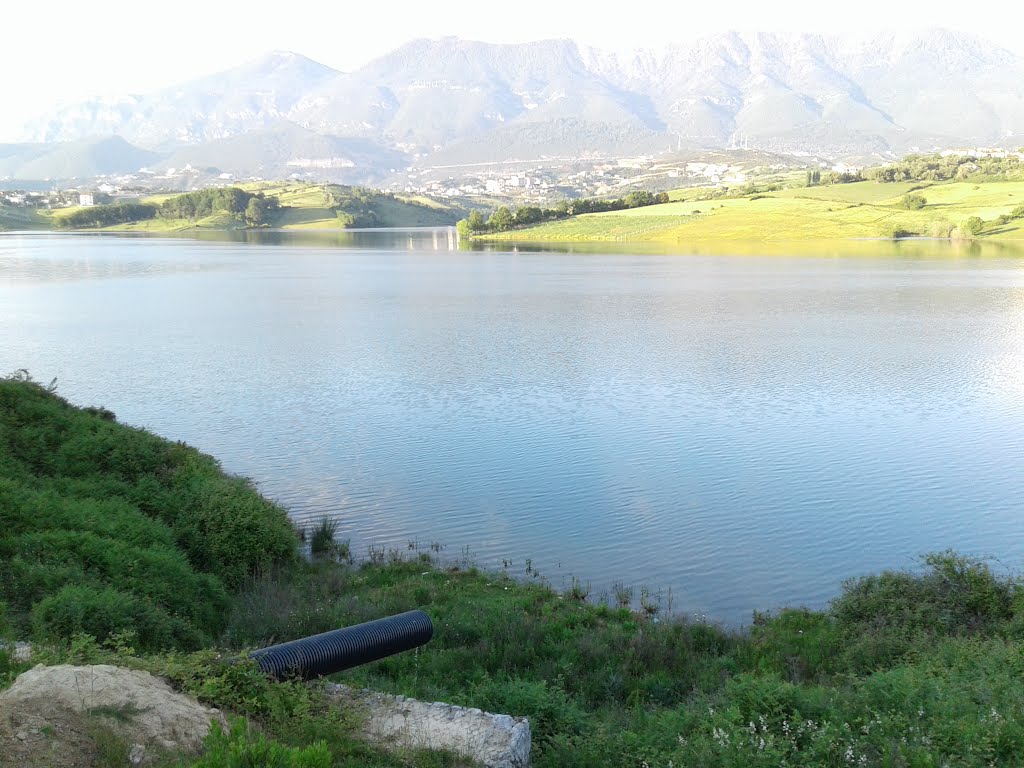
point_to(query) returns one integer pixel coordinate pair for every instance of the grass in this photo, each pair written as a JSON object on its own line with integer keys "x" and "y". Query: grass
{"x": 916, "y": 668}
{"x": 309, "y": 206}
{"x": 21, "y": 218}
{"x": 110, "y": 529}
{"x": 843, "y": 211}
{"x": 905, "y": 668}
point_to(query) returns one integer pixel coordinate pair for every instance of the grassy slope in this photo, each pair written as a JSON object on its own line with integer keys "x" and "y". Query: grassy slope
{"x": 116, "y": 541}
{"x": 109, "y": 529}
{"x": 307, "y": 206}
{"x": 860, "y": 210}
{"x": 21, "y": 218}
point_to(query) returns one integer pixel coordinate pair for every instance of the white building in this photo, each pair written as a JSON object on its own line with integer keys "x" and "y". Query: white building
{"x": 86, "y": 199}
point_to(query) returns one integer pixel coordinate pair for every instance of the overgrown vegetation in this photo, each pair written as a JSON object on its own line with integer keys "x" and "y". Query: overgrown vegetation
{"x": 254, "y": 208}
{"x": 917, "y": 668}
{"x": 951, "y": 167}
{"x": 109, "y": 529}
{"x": 904, "y": 668}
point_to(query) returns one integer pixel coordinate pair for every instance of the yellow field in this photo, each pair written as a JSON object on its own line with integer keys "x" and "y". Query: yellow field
{"x": 861, "y": 210}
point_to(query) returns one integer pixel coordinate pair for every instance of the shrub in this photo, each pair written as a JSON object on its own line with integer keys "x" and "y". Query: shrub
{"x": 151, "y": 531}
{"x": 322, "y": 541}
{"x": 103, "y": 612}
{"x": 242, "y": 747}
{"x": 548, "y": 708}
{"x": 913, "y": 201}
{"x": 899, "y": 232}
{"x": 973, "y": 226}
{"x": 881, "y": 618}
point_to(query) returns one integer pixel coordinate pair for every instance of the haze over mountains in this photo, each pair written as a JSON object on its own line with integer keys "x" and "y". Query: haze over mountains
{"x": 450, "y": 101}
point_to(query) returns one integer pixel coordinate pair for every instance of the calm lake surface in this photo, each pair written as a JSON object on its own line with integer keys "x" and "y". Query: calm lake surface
{"x": 745, "y": 430}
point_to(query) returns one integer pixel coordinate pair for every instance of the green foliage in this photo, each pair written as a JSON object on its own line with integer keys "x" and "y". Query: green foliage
{"x": 322, "y": 542}
{"x": 259, "y": 209}
{"x": 110, "y": 529}
{"x": 206, "y": 202}
{"x": 913, "y": 201}
{"x": 906, "y": 668}
{"x": 243, "y": 747}
{"x": 357, "y": 207}
{"x": 504, "y": 219}
{"x": 105, "y": 215}
{"x": 972, "y": 226}
{"x": 886, "y": 617}
{"x": 899, "y": 231}
{"x": 938, "y": 168}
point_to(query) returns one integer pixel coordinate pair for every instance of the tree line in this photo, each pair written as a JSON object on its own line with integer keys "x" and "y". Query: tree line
{"x": 355, "y": 206}
{"x": 949, "y": 168}
{"x": 504, "y": 218}
{"x": 255, "y": 209}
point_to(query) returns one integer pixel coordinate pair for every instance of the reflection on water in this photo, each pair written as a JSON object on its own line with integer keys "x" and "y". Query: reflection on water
{"x": 746, "y": 431}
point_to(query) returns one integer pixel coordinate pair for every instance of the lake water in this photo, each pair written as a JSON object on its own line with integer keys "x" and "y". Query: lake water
{"x": 745, "y": 430}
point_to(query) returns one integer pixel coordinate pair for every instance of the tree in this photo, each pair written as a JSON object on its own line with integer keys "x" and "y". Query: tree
{"x": 256, "y": 212}
{"x": 973, "y": 226}
{"x": 914, "y": 202}
{"x": 639, "y": 199}
{"x": 501, "y": 219}
{"x": 528, "y": 215}
{"x": 476, "y": 221}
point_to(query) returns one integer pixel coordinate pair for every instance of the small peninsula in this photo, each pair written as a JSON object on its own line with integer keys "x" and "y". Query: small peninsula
{"x": 942, "y": 197}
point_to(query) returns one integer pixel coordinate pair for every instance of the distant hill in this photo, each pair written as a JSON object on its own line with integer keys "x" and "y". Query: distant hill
{"x": 453, "y": 100}
{"x": 285, "y": 149}
{"x": 73, "y": 160}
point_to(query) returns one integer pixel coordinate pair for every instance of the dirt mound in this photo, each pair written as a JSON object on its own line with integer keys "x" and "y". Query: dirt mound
{"x": 67, "y": 716}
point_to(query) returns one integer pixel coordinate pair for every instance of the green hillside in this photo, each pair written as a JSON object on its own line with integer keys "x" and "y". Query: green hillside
{"x": 110, "y": 529}
{"x": 20, "y": 218}
{"x": 292, "y": 206}
{"x": 865, "y": 209}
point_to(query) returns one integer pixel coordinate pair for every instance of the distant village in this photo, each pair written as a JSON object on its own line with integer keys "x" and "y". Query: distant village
{"x": 538, "y": 182}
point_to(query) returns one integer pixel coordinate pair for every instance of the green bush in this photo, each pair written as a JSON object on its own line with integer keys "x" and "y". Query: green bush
{"x": 119, "y": 511}
{"x": 548, "y": 708}
{"x": 322, "y": 542}
{"x": 913, "y": 201}
{"x": 242, "y": 747}
{"x": 104, "y": 612}
{"x": 973, "y": 225}
{"x": 882, "y": 618}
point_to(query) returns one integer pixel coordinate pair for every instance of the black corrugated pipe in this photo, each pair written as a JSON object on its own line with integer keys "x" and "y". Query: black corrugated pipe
{"x": 339, "y": 649}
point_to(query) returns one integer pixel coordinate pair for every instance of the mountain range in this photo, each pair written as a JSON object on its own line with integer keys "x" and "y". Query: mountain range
{"x": 451, "y": 101}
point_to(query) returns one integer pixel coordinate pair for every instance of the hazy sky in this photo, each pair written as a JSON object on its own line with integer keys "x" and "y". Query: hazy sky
{"x": 65, "y": 50}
